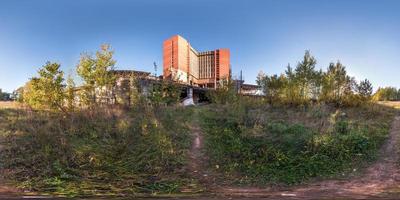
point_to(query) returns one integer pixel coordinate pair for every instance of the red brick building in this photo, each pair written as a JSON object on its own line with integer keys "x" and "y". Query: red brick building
{"x": 182, "y": 63}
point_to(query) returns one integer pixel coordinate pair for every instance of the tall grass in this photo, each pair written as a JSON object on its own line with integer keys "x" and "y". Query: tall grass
{"x": 256, "y": 144}
{"x": 107, "y": 151}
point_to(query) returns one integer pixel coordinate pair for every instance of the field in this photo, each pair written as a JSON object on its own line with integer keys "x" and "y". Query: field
{"x": 9, "y": 105}
{"x": 175, "y": 150}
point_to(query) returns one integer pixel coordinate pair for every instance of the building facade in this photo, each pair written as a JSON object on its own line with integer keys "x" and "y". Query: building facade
{"x": 182, "y": 63}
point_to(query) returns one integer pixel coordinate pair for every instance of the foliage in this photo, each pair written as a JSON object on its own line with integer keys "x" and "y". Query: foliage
{"x": 47, "y": 90}
{"x": 272, "y": 86}
{"x": 250, "y": 146}
{"x": 387, "y": 94}
{"x": 225, "y": 93}
{"x": 336, "y": 84}
{"x": 365, "y": 89}
{"x": 165, "y": 93}
{"x": 96, "y": 77}
{"x": 306, "y": 76}
{"x": 305, "y": 84}
{"x": 4, "y": 96}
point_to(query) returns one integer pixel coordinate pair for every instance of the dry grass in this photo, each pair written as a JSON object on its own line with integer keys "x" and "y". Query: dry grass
{"x": 104, "y": 151}
{"x": 394, "y": 104}
{"x": 9, "y": 104}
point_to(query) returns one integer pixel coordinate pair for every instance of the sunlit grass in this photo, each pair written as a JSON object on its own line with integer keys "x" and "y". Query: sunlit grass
{"x": 9, "y": 104}
{"x": 394, "y": 104}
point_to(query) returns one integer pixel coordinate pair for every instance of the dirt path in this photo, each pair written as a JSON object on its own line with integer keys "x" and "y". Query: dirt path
{"x": 378, "y": 179}
{"x": 197, "y": 167}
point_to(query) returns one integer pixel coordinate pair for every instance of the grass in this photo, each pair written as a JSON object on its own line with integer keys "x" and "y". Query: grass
{"x": 112, "y": 151}
{"x": 257, "y": 144}
{"x": 102, "y": 152}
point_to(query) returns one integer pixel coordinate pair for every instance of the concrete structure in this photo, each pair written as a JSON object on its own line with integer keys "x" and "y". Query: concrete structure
{"x": 182, "y": 63}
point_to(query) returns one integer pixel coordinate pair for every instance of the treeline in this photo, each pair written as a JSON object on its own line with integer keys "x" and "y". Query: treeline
{"x": 51, "y": 90}
{"x": 305, "y": 84}
{"x": 387, "y": 94}
{"x": 4, "y": 96}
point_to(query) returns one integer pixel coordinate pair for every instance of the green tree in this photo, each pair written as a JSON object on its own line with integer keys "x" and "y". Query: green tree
{"x": 95, "y": 72}
{"x": 336, "y": 83}
{"x": 225, "y": 93}
{"x": 272, "y": 86}
{"x": 365, "y": 89}
{"x": 387, "y": 94}
{"x": 306, "y": 75}
{"x": 4, "y": 96}
{"x": 47, "y": 90}
{"x": 291, "y": 91}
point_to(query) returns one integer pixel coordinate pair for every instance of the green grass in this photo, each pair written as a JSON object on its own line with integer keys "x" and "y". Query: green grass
{"x": 256, "y": 144}
{"x": 108, "y": 151}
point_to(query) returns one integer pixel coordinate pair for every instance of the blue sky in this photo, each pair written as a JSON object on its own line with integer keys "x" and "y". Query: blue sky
{"x": 262, "y": 35}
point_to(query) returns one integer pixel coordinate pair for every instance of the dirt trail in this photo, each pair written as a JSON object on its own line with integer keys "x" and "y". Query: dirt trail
{"x": 198, "y": 167}
{"x": 378, "y": 179}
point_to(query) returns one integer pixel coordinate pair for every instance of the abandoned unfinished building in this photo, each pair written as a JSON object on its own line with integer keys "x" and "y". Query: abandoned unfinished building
{"x": 182, "y": 63}
{"x": 191, "y": 71}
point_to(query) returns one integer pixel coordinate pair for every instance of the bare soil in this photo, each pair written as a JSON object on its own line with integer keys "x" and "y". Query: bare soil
{"x": 198, "y": 160}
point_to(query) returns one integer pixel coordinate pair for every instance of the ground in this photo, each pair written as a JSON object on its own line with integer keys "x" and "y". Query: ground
{"x": 380, "y": 180}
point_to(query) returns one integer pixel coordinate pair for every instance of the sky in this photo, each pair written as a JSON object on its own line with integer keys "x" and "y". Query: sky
{"x": 262, "y": 35}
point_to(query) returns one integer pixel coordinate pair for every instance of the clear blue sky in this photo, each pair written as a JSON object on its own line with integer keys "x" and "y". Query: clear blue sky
{"x": 262, "y": 35}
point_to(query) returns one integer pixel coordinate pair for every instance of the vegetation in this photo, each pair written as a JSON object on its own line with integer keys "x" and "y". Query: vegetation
{"x": 165, "y": 93}
{"x": 305, "y": 84}
{"x": 79, "y": 140}
{"x": 310, "y": 124}
{"x": 387, "y": 94}
{"x": 107, "y": 151}
{"x": 258, "y": 144}
{"x": 4, "y": 96}
{"x": 47, "y": 90}
{"x": 97, "y": 80}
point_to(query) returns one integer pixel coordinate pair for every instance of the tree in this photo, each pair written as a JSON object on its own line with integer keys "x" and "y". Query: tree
{"x": 4, "y": 96}
{"x": 70, "y": 92}
{"x": 336, "y": 83}
{"x": 18, "y": 94}
{"x": 291, "y": 91}
{"x": 95, "y": 72}
{"x": 47, "y": 90}
{"x": 305, "y": 75}
{"x": 260, "y": 80}
{"x": 272, "y": 86}
{"x": 365, "y": 89}
{"x": 387, "y": 94}
{"x": 226, "y": 93}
